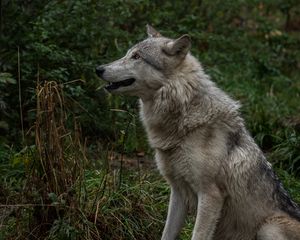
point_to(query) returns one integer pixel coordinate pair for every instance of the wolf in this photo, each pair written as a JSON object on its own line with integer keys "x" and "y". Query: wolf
{"x": 202, "y": 147}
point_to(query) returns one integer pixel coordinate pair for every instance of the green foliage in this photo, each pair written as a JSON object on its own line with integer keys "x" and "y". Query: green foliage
{"x": 250, "y": 48}
{"x": 291, "y": 183}
{"x": 6, "y": 79}
{"x": 245, "y": 45}
{"x": 133, "y": 210}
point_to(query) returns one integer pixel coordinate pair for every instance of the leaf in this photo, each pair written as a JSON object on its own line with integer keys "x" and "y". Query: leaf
{"x": 53, "y": 197}
{"x": 7, "y": 78}
{"x": 4, "y": 125}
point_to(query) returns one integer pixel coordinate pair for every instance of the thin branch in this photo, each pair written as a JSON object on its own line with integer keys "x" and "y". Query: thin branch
{"x": 20, "y": 96}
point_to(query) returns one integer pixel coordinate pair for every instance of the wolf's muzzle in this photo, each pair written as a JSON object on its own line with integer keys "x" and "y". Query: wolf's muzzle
{"x": 115, "y": 85}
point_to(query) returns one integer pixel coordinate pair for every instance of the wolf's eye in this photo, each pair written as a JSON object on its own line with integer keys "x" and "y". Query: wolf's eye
{"x": 135, "y": 56}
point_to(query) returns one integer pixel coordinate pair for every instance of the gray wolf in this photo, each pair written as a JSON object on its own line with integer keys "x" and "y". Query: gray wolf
{"x": 202, "y": 147}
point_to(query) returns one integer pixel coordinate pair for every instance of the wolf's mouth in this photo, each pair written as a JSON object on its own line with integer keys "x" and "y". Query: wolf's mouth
{"x": 116, "y": 85}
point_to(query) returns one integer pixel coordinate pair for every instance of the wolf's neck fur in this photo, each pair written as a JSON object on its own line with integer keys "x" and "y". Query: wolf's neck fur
{"x": 186, "y": 102}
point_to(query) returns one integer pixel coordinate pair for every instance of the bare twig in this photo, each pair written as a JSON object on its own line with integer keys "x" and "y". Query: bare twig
{"x": 20, "y": 95}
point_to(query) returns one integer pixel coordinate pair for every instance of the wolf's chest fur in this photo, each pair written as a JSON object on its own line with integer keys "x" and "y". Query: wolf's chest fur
{"x": 185, "y": 151}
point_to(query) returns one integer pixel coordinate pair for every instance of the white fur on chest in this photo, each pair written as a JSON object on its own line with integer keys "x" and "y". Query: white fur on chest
{"x": 196, "y": 161}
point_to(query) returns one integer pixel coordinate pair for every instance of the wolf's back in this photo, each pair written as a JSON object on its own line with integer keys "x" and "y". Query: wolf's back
{"x": 286, "y": 204}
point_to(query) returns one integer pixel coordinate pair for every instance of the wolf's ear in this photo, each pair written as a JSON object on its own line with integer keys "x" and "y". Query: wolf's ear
{"x": 180, "y": 46}
{"x": 152, "y": 32}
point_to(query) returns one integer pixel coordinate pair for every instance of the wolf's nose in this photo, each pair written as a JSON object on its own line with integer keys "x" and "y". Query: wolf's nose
{"x": 100, "y": 70}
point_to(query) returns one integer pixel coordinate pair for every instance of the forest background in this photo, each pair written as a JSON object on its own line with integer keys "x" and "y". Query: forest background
{"x": 74, "y": 160}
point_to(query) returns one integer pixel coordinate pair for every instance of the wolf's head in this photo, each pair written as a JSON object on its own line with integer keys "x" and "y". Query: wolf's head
{"x": 147, "y": 66}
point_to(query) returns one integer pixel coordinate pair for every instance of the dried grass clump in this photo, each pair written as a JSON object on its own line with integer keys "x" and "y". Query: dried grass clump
{"x": 58, "y": 170}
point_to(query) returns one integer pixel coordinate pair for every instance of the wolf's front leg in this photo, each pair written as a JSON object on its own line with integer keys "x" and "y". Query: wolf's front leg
{"x": 176, "y": 215}
{"x": 208, "y": 211}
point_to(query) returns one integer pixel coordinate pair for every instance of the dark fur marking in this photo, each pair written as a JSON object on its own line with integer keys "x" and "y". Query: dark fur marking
{"x": 147, "y": 58}
{"x": 233, "y": 140}
{"x": 152, "y": 63}
{"x": 280, "y": 195}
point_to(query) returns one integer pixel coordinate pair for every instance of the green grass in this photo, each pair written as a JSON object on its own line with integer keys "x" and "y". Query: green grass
{"x": 134, "y": 209}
